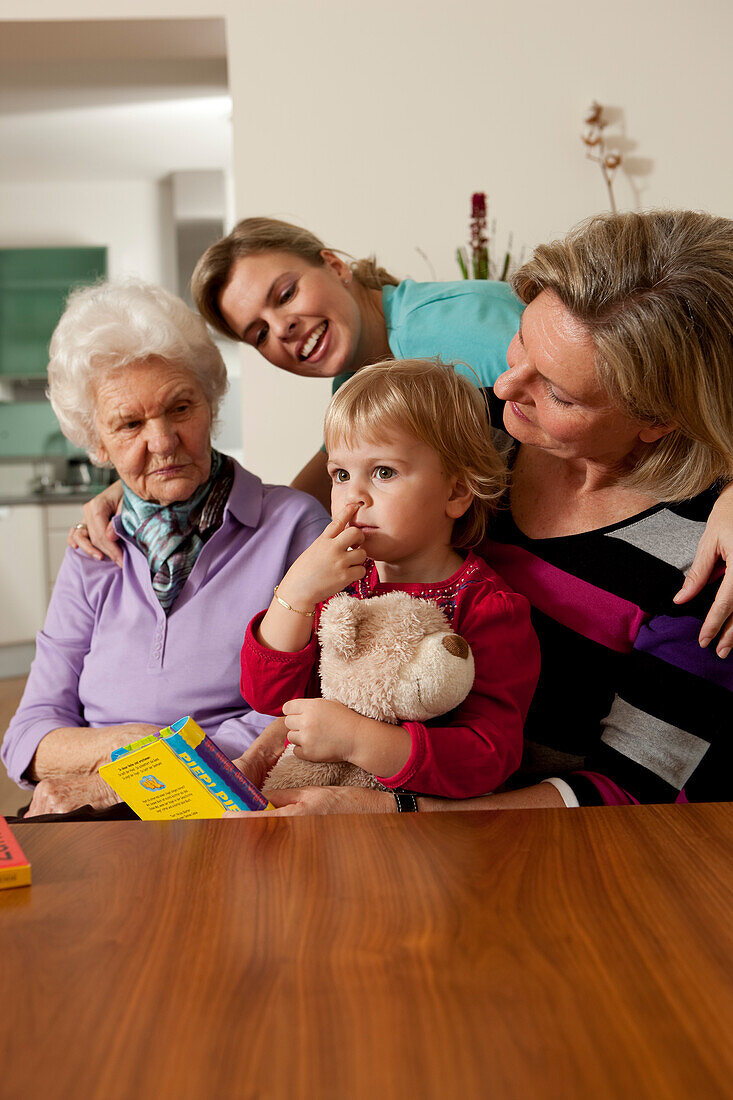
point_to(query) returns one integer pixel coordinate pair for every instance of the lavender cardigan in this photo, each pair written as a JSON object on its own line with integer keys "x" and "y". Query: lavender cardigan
{"x": 107, "y": 654}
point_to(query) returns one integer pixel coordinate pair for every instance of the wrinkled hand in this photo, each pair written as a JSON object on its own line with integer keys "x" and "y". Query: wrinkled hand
{"x": 716, "y": 543}
{"x": 324, "y": 800}
{"x": 330, "y": 800}
{"x": 61, "y": 796}
{"x": 332, "y": 562}
{"x": 321, "y": 730}
{"x": 99, "y": 539}
{"x": 258, "y": 760}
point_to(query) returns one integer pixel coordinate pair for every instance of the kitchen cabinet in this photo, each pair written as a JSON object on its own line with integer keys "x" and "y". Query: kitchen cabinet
{"x": 58, "y": 519}
{"x": 32, "y": 547}
{"x": 34, "y": 284}
{"x": 29, "y": 429}
{"x": 23, "y": 576}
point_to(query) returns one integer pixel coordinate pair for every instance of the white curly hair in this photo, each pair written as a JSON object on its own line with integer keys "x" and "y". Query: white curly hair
{"x": 112, "y": 325}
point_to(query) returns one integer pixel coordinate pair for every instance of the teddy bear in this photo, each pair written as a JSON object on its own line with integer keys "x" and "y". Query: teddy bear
{"x": 394, "y": 658}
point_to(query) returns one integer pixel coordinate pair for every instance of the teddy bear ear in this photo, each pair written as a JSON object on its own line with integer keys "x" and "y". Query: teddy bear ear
{"x": 456, "y": 645}
{"x": 339, "y": 626}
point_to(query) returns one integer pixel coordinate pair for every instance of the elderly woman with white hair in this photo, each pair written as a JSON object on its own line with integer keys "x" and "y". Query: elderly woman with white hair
{"x": 135, "y": 379}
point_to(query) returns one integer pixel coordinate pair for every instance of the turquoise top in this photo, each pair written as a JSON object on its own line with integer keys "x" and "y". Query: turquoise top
{"x": 470, "y": 323}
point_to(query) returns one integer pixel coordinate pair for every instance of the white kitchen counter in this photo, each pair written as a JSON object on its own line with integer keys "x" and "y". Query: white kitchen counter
{"x": 33, "y": 531}
{"x": 73, "y": 496}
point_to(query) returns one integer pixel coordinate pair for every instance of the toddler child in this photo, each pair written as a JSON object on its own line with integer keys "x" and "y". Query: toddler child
{"x": 414, "y": 479}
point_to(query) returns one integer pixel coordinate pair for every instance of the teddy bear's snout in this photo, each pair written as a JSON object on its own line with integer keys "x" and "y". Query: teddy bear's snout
{"x": 456, "y": 645}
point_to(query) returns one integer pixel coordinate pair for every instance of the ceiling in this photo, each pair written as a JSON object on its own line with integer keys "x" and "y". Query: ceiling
{"x": 112, "y": 99}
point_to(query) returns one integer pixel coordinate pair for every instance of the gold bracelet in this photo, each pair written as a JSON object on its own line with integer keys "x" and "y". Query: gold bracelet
{"x": 287, "y": 606}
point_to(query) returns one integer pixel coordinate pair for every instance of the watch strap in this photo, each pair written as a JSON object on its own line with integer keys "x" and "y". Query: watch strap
{"x": 406, "y": 802}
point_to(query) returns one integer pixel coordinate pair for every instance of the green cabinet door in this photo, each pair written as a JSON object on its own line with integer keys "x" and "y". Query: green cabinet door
{"x": 34, "y": 284}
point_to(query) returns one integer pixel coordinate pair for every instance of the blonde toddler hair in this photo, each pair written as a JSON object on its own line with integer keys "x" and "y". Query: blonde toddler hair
{"x": 427, "y": 399}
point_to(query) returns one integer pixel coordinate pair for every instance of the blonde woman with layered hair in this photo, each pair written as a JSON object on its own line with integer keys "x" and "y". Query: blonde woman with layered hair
{"x": 655, "y": 288}
{"x": 414, "y": 478}
{"x": 618, "y": 408}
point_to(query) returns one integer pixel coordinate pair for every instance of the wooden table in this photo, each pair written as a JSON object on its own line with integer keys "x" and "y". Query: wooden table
{"x": 546, "y": 953}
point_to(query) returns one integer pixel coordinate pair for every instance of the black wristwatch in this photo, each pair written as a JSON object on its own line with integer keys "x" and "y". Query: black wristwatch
{"x": 406, "y": 802}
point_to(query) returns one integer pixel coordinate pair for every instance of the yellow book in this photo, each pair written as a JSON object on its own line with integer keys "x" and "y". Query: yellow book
{"x": 179, "y": 774}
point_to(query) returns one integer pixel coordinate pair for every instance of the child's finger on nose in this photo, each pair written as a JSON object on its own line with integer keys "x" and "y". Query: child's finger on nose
{"x": 341, "y": 521}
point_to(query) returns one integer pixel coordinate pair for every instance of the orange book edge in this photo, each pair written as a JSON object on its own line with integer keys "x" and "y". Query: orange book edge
{"x": 15, "y": 870}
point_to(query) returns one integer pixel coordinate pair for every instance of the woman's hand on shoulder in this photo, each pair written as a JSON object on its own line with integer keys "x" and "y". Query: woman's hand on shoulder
{"x": 64, "y": 794}
{"x": 715, "y": 545}
{"x": 96, "y": 537}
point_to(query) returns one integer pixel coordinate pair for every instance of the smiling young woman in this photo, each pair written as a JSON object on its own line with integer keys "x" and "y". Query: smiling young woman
{"x": 308, "y": 311}
{"x": 311, "y": 320}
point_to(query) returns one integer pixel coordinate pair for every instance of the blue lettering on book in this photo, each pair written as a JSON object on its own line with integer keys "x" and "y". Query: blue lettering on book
{"x": 225, "y": 800}
{"x": 201, "y": 775}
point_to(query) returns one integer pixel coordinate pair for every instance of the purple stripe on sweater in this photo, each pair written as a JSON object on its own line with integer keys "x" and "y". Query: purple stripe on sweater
{"x": 589, "y": 611}
{"x": 674, "y": 640}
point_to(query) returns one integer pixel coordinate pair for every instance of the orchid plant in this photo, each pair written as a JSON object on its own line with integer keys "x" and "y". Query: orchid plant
{"x": 476, "y": 261}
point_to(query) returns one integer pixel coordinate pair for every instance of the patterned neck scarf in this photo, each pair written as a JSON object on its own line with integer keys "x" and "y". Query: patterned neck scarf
{"x": 172, "y": 536}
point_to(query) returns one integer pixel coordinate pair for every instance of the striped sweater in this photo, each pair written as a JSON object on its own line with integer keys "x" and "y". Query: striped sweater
{"x": 628, "y": 708}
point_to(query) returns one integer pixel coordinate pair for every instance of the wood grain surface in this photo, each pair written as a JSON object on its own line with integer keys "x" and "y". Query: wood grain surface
{"x": 545, "y": 953}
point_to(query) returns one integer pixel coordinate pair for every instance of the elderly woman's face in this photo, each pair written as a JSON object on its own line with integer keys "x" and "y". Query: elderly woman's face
{"x": 303, "y": 319}
{"x": 154, "y": 426}
{"x": 554, "y": 399}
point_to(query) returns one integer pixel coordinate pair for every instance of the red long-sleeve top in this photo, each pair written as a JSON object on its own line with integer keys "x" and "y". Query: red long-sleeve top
{"x": 476, "y": 747}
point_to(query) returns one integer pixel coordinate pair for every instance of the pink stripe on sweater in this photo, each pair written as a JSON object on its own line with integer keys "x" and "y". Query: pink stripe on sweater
{"x": 614, "y": 795}
{"x": 611, "y": 794}
{"x": 590, "y": 611}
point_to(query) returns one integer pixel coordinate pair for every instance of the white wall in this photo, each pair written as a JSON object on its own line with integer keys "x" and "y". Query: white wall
{"x": 125, "y": 216}
{"x": 198, "y": 194}
{"x": 373, "y": 123}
